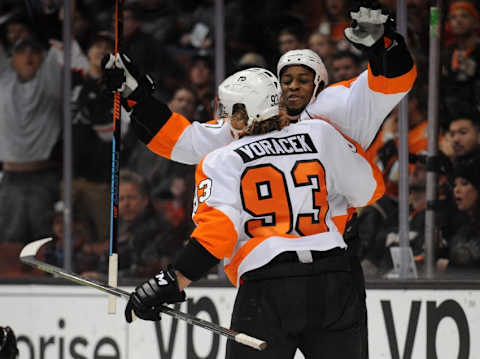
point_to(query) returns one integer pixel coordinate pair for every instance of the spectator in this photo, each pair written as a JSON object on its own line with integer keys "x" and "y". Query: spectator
{"x": 335, "y": 19}
{"x": 464, "y": 135}
{"x": 92, "y": 136}
{"x": 418, "y": 12}
{"x": 388, "y": 236}
{"x": 84, "y": 27}
{"x": 157, "y": 170}
{"x": 460, "y": 61}
{"x": 323, "y": 46}
{"x": 372, "y": 220}
{"x": 138, "y": 226}
{"x": 158, "y": 20}
{"x": 8, "y": 343}
{"x": 201, "y": 79}
{"x": 16, "y": 29}
{"x": 83, "y": 235}
{"x": 345, "y": 65}
{"x": 464, "y": 245}
{"x": 183, "y": 102}
{"x": 378, "y": 223}
{"x": 384, "y": 150}
{"x": 290, "y": 38}
{"x": 148, "y": 52}
{"x": 30, "y": 134}
{"x": 416, "y": 236}
{"x": 173, "y": 207}
{"x": 138, "y": 229}
{"x": 251, "y": 59}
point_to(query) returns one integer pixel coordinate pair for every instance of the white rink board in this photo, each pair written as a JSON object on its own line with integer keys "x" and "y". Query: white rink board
{"x": 60, "y": 322}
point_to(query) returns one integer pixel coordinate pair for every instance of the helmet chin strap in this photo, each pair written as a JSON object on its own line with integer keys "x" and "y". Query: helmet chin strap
{"x": 318, "y": 88}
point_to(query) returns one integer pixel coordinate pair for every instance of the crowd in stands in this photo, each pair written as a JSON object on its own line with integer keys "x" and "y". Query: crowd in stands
{"x": 173, "y": 41}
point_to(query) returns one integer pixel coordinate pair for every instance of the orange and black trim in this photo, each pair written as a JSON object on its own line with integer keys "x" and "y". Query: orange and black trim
{"x": 377, "y": 174}
{"x": 148, "y": 117}
{"x": 214, "y": 237}
{"x": 166, "y": 138}
{"x": 390, "y": 58}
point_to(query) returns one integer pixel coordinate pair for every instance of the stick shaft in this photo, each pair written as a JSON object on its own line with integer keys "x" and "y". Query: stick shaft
{"x": 117, "y": 292}
{"x": 114, "y": 189}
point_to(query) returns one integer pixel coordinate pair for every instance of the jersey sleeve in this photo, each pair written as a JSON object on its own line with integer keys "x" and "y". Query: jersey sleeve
{"x": 349, "y": 170}
{"x": 216, "y": 213}
{"x": 358, "y": 107}
{"x": 171, "y": 135}
{"x": 216, "y": 207}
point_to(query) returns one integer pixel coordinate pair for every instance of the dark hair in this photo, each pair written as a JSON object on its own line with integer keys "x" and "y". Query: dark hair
{"x": 346, "y": 54}
{"x": 102, "y": 36}
{"x": 202, "y": 57}
{"x": 466, "y": 112}
{"x": 266, "y": 126}
{"x": 8, "y": 343}
{"x": 28, "y": 42}
{"x": 183, "y": 87}
{"x": 127, "y": 176}
{"x": 468, "y": 171}
{"x": 20, "y": 19}
{"x": 295, "y": 30}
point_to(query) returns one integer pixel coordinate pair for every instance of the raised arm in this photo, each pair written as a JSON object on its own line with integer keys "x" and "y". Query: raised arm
{"x": 164, "y": 132}
{"x": 359, "y": 106}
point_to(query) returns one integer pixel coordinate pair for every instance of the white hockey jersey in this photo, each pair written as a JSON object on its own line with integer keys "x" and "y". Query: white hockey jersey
{"x": 356, "y": 107}
{"x": 287, "y": 190}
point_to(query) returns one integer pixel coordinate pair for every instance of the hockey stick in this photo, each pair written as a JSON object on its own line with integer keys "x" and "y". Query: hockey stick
{"x": 27, "y": 256}
{"x": 114, "y": 187}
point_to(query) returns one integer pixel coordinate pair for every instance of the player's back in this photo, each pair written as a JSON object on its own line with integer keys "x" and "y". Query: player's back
{"x": 295, "y": 183}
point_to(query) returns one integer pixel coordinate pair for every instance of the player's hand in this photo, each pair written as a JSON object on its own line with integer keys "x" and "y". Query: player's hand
{"x": 120, "y": 74}
{"x": 148, "y": 296}
{"x": 368, "y": 24}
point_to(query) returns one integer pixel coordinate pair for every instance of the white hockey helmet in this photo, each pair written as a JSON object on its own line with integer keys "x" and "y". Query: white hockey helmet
{"x": 256, "y": 88}
{"x": 309, "y": 58}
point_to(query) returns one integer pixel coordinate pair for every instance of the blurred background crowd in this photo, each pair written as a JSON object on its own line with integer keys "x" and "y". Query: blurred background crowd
{"x": 173, "y": 41}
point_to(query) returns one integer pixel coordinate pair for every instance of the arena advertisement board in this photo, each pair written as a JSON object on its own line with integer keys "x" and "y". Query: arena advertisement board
{"x": 60, "y": 322}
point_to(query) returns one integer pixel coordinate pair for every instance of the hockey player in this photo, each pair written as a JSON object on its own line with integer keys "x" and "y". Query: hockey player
{"x": 273, "y": 204}
{"x": 356, "y": 107}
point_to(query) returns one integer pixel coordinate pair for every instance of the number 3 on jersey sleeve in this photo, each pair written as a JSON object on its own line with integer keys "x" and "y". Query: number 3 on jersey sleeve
{"x": 205, "y": 188}
{"x": 265, "y": 194}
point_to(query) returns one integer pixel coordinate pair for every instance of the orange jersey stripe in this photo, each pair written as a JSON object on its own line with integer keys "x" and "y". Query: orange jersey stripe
{"x": 346, "y": 83}
{"x": 231, "y": 269}
{"x": 340, "y": 222}
{"x": 213, "y": 226}
{"x": 165, "y": 139}
{"x": 394, "y": 85}
{"x": 377, "y": 174}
